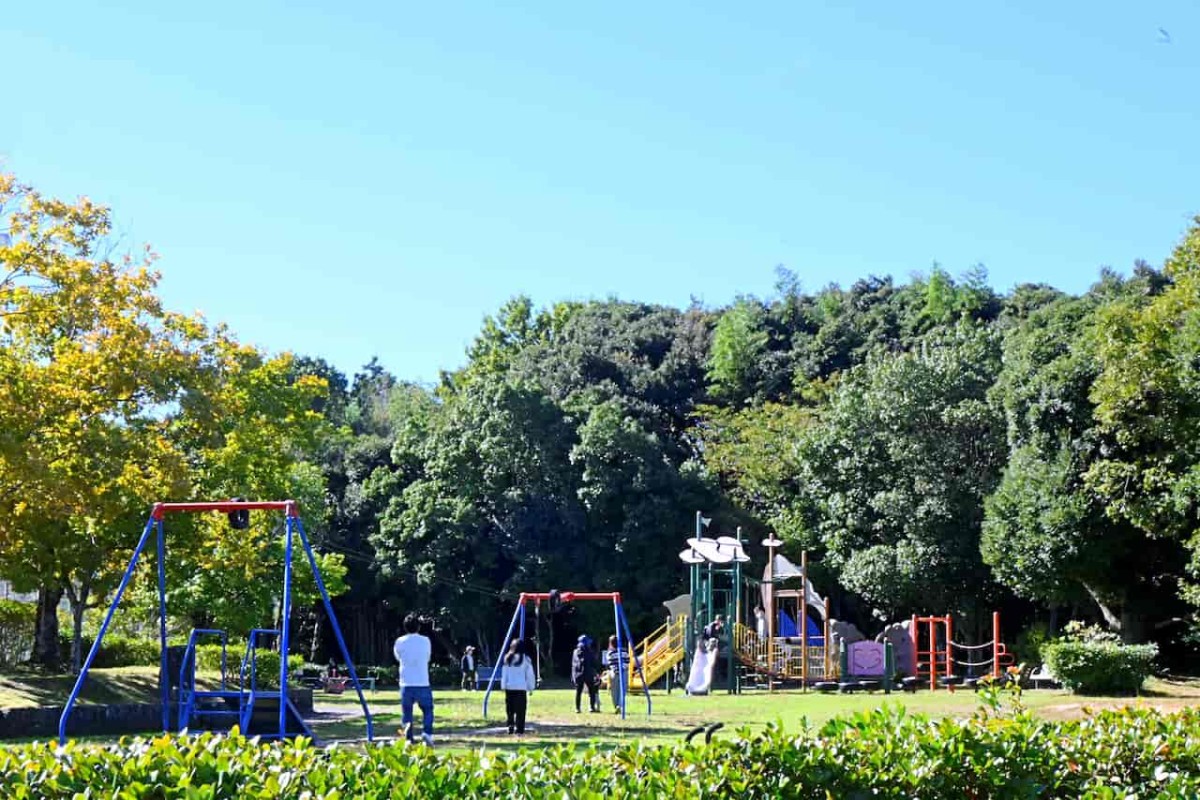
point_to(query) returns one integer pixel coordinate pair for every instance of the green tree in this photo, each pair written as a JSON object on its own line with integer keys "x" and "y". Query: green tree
{"x": 1147, "y": 400}
{"x": 251, "y": 430}
{"x": 88, "y": 358}
{"x": 738, "y": 346}
{"x": 1047, "y": 535}
{"x": 895, "y": 471}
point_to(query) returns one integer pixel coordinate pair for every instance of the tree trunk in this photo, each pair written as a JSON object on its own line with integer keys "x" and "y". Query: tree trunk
{"x": 45, "y": 642}
{"x": 1110, "y": 618}
{"x": 1133, "y": 625}
{"x": 314, "y": 647}
{"x": 77, "y": 610}
{"x": 78, "y": 602}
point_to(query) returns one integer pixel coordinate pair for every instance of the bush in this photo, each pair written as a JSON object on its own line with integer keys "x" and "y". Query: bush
{"x": 115, "y": 651}
{"x": 1028, "y": 646}
{"x": 16, "y": 631}
{"x": 383, "y": 675}
{"x": 208, "y": 657}
{"x": 1100, "y": 667}
{"x": 267, "y": 670}
{"x": 443, "y": 675}
{"x": 885, "y": 753}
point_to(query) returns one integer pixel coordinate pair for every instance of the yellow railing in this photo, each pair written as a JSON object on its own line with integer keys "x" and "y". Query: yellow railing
{"x": 659, "y": 652}
{"x": 785, "y": 661}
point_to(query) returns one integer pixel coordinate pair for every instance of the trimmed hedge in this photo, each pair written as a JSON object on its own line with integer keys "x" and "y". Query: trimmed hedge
{"x": 884, "y": 753}
{"x": 1100, "y": 667}
{"x": 16, "y": 631}
{"x": 115, "y": 651}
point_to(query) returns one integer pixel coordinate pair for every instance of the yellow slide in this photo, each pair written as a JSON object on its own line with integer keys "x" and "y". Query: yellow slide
{"x": 659, "y": 652}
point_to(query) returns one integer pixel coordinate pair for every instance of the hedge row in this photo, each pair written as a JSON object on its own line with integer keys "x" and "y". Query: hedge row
{"x": 1100, "y": 667}
{"x": 878, "y": 754}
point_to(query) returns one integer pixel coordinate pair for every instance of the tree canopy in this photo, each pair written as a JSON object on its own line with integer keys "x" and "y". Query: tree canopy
{"x": 935, "y": 445}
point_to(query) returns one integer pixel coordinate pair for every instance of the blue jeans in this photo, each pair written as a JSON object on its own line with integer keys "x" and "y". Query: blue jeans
{"x": 423, "y": 697}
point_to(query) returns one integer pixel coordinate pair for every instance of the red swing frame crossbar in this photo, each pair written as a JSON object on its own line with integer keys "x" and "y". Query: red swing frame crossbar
{"x": 568, "y": 597}
{"x": 620, "y": 624}
{"x": 288, "y": 507}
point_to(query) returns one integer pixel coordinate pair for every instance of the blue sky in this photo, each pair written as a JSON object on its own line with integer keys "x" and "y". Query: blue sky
{"x": 365, "y": 178}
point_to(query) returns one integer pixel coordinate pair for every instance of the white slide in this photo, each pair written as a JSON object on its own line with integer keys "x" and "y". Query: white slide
{"x": 703, "y": 664}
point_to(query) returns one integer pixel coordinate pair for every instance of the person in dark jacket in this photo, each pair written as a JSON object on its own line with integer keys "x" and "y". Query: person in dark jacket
{"x": 584, "y": 671}
{"x": 468, "y": 668}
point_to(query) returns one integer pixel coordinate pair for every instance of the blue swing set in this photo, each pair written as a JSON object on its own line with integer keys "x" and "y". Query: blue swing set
{"x": 227, "y": 704}
{"x": 555, "y": 599}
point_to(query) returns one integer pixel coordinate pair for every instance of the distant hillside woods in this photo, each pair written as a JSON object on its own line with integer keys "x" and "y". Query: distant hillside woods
{"x": 937, "y": 446}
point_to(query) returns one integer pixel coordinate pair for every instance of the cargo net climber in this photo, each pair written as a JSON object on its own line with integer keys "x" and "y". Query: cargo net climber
{"x": 257, "y": 711}
{"x": 941, "y": 661}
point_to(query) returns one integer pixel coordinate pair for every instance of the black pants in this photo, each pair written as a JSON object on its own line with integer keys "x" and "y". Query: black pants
{"x": 593, "y": 693}
{"x": 515, "y": 702}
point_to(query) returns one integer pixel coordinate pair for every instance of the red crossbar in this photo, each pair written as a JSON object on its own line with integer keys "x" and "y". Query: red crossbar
{"x": 568, "y": 597}
{"x": 287, "y": 506}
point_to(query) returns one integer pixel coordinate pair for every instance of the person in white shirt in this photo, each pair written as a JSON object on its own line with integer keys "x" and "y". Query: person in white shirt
{"x": 412, "y": 651}
{"x": 518, "y": 680}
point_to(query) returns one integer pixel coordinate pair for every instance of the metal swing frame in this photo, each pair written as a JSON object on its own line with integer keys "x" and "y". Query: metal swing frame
{"x": 294, "y": 529}
{"x": 624, "y": 638}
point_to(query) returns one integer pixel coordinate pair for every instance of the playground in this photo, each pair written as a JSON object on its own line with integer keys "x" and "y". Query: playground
{"x": 736, "y": 652}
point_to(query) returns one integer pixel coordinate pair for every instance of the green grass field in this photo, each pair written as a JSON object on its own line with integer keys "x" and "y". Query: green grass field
{"x": 552, "y": 718}
{"x": 118, "y": 685}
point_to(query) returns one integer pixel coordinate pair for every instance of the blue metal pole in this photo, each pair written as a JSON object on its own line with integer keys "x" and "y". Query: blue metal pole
{"x": 284, "y": 626}
{"x": 620, "y": 671}
{"x": 512, "y": 626}
{"x": 162, "y": 627}
{"x": 91, "y": 656}
{"x": 633, "y": 655}
{"x": 337, "y": 629}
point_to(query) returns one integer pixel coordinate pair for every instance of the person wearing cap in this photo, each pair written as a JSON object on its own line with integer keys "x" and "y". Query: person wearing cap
{"x": 467, "y": 665}
{"x": 584, "y": 670}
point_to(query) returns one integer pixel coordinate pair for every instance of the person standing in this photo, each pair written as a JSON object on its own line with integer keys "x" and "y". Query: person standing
{"x": 760, "y": 622}
{"x": 412, "y": 652}
{"x": 583, "y": 674}
{"x": 518, "y": 680}
{"x": 467, "y": 665}
{"x": 617, "y": 663}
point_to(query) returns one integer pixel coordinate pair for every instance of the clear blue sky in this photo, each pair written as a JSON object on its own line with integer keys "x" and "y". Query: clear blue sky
{"x": 358, "y": 178}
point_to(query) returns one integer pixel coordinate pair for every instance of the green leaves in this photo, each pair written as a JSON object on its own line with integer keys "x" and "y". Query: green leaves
{"x": 1104, "y": 667}
{"x": 883, "y": 753}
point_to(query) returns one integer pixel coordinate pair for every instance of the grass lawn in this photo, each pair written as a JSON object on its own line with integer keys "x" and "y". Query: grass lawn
{"x": 116, "y": 685}
{"x": 552, "y": 719}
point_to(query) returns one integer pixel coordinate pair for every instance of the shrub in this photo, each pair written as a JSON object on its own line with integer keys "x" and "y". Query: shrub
{"x": 115, "y": 651}
{"x": 884, "y": 753}
{"x": 443, "y": 675}
{"x": 386, "y": 675}
{"x": 208, "y": 657}
{"x": 1029, "y": 643}
{"x": 16, "y": 631}
{"x": 1100, "y": 667}
{"x": 267, "y": 670}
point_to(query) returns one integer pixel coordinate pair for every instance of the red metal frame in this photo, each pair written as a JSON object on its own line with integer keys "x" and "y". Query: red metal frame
{"x": 1000, "y": 655}
{"x": 568, "y": 597}
{"x": 289, "y": 507}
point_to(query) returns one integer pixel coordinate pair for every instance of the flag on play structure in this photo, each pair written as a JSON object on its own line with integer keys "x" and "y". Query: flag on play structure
{"x": 705, "y": 521}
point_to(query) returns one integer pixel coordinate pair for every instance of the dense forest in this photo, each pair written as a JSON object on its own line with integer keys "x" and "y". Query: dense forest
{"x": 935, "y": 445}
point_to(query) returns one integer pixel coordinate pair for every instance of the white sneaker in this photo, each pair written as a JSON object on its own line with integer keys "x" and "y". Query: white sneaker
{"x": 427, "y": 739}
